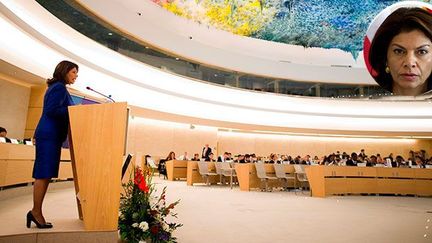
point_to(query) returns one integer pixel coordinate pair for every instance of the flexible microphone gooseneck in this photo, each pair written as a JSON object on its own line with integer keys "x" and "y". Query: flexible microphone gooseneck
{"x": 99, "y": 93}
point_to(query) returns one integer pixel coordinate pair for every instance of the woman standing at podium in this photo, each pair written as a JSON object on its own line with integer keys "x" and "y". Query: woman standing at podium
{"x": 50, "y": 134}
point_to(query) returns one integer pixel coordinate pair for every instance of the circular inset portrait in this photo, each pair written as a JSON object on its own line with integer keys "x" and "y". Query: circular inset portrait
{"x": 398, "y": 48}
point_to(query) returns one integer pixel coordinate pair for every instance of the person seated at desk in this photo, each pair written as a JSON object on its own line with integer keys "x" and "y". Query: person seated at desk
{"x": 353, "y": 160}
{"x": 273, "y": 159}
{"x": 307, "y": 160}
{"x": 337, "y": 162}
{"x": 240, "y": 158}
{"x": 331, "y": 160}
{"x": 3, "y": 134}
{"x": 184, "y": 156}
{"x": 223, "y": 158}
{"x": 389, "y": 159}
{"x": 171, "y": 156}
{"x": 253, "y": 158}
{"x": 247, "y": 158}
{"x": 372, "y": 161}
{"x": 230, "y": 157}
{"x": 210, "y": 158}
{"x": 196, "y": 157}
{"x": 398, "y": 162}
{"x": 379, "y": 159}
{"x": 419, "y": 162}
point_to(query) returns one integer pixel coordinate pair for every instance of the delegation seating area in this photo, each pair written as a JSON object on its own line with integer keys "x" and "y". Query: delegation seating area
{"x": 320, "y": 179}
{"x": 16, "y": 164}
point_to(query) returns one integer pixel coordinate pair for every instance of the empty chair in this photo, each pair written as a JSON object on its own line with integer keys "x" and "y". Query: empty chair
{"x": 301, "y": 175}
{"x": 228, "y": 171}
{"x": 262, "y": 175}
{"x": 280, "y": 173}
{"x": 218, "y": 166}
{"x": 151, "y": 163}
{"x": 203, "y": 170}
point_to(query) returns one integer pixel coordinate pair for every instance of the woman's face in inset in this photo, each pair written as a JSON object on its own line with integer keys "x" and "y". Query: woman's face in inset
{"x": 71, "y": 76}
{"x": 409, "y": 58}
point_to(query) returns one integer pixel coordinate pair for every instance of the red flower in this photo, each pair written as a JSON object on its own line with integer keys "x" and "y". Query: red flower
{"x": 154, "y": 229}
{"x": 153, "y": 212}
{"x": 139, "y": 180}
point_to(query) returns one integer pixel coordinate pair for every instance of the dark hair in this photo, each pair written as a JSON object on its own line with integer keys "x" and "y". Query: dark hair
{"x": 400, "y": 21}
{"x": 2, "y": 129}
{"x": 61, "y": 71}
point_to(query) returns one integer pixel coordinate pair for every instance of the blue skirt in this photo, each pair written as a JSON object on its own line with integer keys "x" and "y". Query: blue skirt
{"x": 47, "y": 161}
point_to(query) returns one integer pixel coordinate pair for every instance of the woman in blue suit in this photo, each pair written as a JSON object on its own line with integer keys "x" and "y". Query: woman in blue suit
{"x": 50, "y": 134}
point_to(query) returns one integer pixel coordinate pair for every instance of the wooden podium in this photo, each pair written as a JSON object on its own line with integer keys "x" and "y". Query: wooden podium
{"x": 97, "y": 144}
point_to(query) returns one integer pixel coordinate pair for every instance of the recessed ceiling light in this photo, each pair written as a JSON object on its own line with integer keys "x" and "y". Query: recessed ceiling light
{"x": 110, "y": 33}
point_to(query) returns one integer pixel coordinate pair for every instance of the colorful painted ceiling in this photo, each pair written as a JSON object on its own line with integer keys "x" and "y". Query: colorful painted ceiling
{"x": 320, "y": 23}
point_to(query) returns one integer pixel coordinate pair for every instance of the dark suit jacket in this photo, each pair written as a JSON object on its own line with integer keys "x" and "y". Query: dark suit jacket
{"x": 351, "y": 162}
{"x": 54, "y": 122}
{"x": 207, "y": 154}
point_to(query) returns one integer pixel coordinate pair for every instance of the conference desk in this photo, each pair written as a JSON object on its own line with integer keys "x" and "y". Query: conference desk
{"x": 17, "y": 160}
{"x": 336, "y": 180}
{"x": 193, "y": 175}
{"x": 176, "y": 169}
{"x": 247, "y": 176}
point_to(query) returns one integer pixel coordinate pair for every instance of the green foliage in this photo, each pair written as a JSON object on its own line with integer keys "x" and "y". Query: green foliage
{"x": 142, "y": 215}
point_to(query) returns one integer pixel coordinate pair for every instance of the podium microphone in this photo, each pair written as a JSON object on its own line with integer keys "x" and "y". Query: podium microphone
{"x": 99, "y": 93}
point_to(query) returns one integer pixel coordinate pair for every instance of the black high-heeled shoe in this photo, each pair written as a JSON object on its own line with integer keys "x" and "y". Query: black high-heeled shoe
{"x": 31, "y": 218}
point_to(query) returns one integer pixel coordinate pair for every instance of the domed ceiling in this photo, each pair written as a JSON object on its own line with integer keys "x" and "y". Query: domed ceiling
{"x": 320, "y": 23}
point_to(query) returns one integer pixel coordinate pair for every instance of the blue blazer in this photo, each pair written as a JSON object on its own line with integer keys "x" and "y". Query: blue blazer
{"x": 54, "y": 122}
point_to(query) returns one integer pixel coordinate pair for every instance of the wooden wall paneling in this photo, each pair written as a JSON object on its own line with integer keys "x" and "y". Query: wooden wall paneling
{"x": 19, "y": 171}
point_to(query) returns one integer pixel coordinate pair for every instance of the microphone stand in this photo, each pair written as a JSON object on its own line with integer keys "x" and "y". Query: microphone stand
{"x": 99, "y": 93}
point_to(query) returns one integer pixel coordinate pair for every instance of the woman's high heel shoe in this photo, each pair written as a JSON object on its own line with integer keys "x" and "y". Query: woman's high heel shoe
{"x": 31, "y": 218}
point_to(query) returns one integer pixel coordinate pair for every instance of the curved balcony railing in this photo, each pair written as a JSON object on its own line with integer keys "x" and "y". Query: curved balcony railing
{"x": 79, "y": 19}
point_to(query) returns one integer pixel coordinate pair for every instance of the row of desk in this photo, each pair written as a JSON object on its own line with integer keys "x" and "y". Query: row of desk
{"x": 246, "y": 173}
{"x": 188, "y": 170}
{"x": 336, "y": 180}
{"x": 323, "y": 180}
{"x": 16, "y": 164}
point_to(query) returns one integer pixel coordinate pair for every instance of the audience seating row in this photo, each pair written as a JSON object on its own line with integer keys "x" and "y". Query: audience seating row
{"x": 325, "y": 180}
{"x": 16, "y": 164}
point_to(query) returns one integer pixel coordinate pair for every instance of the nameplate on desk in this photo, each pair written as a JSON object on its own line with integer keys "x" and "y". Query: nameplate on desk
{"x": 28, "y": 142}
{"x": 14, "y": 141}
{"x": 2, "y": 140}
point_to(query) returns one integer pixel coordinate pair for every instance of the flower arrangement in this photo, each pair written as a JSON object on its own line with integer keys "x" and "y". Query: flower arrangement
{"x": 142, "y": 216}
